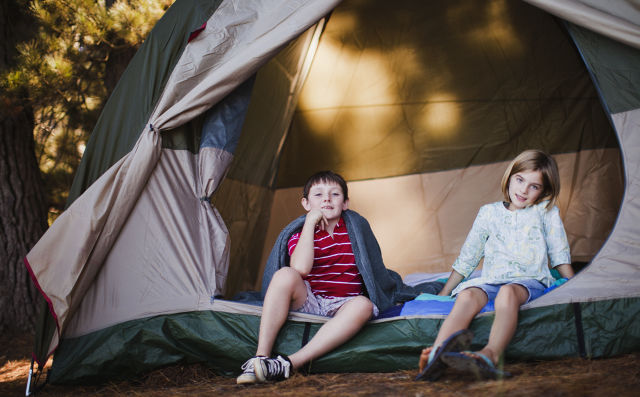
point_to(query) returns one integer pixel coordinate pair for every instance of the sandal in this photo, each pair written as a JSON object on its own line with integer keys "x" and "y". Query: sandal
{"x": 458, "y": 341}
{"x": 476, "y": 363}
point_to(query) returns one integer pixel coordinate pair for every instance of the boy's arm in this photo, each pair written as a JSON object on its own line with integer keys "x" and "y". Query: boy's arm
{"x": 452, "y": 282}
{"x": 565, "y": 270}
{"x": 302, "y": 256}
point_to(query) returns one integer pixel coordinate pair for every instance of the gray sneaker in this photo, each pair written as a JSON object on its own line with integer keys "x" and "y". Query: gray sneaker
{"x": 248, "y": 374}
{"x": 278, "y": 368}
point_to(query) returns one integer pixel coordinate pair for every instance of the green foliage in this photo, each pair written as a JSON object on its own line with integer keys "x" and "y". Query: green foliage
{"x": 63, "y": 73}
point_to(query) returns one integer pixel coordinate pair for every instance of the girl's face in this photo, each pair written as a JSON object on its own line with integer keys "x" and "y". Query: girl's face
{"x": 525, "y": 187}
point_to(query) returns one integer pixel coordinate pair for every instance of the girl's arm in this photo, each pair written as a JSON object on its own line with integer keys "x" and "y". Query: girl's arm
{"x": 565, "y": 270}
{"x": 452, "y": 282}
{"x": 472, "y": 250}
{"x": 557, "y": 243}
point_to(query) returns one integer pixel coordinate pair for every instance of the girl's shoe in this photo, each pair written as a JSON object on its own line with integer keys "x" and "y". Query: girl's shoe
{"x": 476, "y": 363}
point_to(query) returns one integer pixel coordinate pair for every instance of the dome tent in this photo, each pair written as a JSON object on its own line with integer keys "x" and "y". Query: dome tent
{"x": 133, "y": 269}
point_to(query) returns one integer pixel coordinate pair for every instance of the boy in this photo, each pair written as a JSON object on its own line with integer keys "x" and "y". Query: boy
{"x": 327, "y": 274}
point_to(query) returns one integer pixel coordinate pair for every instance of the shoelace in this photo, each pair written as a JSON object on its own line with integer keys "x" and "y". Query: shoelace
{"x": 274, "y": 367}
{"x": 248, "y": 365}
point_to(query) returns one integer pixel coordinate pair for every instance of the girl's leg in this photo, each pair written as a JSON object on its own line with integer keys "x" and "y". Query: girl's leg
{"x": 507, "y": 304}
{"x": 468, "y": 303}
{"x": 286, "y": 290}
{"x": 349, "y": 319}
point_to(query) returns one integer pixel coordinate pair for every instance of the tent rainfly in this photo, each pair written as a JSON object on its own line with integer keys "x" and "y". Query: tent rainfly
{"x": 196, "y": 161}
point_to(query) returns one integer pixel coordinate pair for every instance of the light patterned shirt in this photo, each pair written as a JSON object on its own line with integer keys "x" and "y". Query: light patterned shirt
{"x": 516, "y": 245}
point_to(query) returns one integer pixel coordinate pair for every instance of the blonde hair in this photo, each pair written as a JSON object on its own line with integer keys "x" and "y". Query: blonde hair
{"x": 535, "y": 160}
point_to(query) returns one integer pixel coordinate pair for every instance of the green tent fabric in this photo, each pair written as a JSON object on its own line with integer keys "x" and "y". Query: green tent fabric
{"x": 418, "y": 104}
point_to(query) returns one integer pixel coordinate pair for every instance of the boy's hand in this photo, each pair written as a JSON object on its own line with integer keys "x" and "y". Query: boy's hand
{"x": 316, "y": 217}
{"x": 302, "y": 256}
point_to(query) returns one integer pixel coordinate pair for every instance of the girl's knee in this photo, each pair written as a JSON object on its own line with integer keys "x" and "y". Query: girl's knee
{"x": 465, "y": 294}
{"x": 472, "y": 297}
{"x": 511, "y": 295}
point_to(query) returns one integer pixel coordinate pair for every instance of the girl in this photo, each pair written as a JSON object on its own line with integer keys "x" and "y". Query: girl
{"x": 515, "y": 237}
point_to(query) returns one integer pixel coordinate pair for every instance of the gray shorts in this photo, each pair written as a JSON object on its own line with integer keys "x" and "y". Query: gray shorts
{"x": 534, "y": 287}
{"x": 324, "y": 306}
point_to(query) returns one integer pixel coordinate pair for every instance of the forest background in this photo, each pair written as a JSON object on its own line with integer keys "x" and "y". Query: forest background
{"x": 59, "y": 62}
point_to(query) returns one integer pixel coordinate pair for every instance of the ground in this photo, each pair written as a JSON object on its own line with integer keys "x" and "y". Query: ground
{"x": 616, "y": 376}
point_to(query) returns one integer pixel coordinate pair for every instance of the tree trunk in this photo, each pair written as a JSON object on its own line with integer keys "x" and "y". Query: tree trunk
{"x": 117, "y": 61}
{"x": 23, "y": 216}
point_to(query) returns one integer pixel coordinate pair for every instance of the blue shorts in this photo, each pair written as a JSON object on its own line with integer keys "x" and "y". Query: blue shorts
{"x": 534, "y": 287}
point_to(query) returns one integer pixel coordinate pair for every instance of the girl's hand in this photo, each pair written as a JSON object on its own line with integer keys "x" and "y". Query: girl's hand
{"x": 565, "y": 270}
{"x": 454, "y": 279}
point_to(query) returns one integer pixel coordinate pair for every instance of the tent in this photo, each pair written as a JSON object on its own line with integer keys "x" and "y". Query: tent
{"x": 197, "y": 158}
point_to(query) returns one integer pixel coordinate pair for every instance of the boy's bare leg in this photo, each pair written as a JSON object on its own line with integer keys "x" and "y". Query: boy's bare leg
{"x": 468, "y": 303}
{"x": 286, "y": 291}
{"x": 508, "y": 301}
{"x": 349, "y": 319}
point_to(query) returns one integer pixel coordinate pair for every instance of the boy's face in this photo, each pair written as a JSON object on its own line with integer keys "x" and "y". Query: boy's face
{"x": 328, "y": 198}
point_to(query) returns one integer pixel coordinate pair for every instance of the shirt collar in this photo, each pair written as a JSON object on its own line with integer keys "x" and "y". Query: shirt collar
{"x": 339, "y": 225}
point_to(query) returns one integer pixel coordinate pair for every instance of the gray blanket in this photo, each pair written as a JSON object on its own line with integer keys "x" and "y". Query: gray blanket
{"x": 383, "y": 286}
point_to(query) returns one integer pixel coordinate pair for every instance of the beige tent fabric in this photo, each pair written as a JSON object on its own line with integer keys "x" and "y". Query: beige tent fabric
{"x": 179, "y": 256}
{"x": 618, "y": 19}
{"x": 67, "y": 259}
{"x": 617, "y": 262}
{"x": 244, "y": 198}
{"x": 421, "y": 220}
{"x": 212, "y": 165}
{"x": 212, "y": 65}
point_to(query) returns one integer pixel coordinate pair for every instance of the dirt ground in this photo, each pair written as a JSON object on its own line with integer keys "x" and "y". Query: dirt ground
{"x": 617, "y": 376}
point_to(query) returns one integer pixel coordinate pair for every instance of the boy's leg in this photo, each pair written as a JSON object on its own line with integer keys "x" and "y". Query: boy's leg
{"x": 349, "y": 319}
{"x": 286, "y": 291}
{"x": 507, "y": 305}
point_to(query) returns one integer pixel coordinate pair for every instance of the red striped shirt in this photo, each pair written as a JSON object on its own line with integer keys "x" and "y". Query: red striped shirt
{"x": 334, "y": 272}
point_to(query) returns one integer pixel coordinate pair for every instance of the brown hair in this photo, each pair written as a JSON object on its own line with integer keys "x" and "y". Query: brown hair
{"x": 326, "y": 177}
{"x": 535, "y": 160}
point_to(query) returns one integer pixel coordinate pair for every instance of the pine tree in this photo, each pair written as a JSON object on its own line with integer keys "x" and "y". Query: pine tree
{"x": 59, "y": 61}
{"x": 22, "y": 206}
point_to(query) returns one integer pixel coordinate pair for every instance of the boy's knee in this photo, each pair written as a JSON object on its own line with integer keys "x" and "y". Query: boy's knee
{"x": 361, "y": 305}
{"x": 286, "y": 275}
{"x": 364, "y": 302}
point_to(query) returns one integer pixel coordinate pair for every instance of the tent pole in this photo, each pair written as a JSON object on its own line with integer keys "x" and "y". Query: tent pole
{"x": 28, "y": 390}
{"x": 295, "y": 91}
